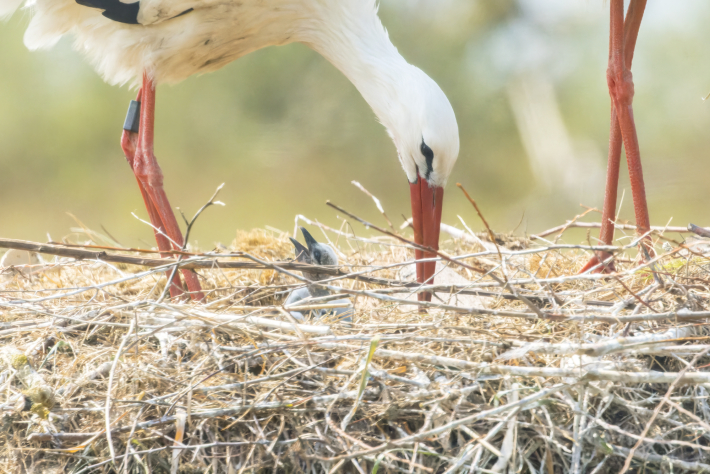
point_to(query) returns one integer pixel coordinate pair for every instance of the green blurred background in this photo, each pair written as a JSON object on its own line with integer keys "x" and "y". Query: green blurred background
{"x": 285, "y": 130}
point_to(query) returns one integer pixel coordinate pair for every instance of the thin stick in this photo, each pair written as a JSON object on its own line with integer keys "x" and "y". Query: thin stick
{"x": 107, "y": 406}
{"x": 377, "y": 202}
{"x": 596, "y": 225}
{"x": 485, "y": 223}
{"x": 190, "y": 224}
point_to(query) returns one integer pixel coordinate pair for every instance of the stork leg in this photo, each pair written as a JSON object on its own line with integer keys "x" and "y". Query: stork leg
{"x": 138, "y": 149}
{"x": 128, "y": 144}
{"x": 622, "y": 42}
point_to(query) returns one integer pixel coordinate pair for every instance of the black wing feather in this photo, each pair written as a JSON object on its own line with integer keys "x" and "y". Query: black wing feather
{"x": 118, "y": 11}
{"x": 115, "y": 10}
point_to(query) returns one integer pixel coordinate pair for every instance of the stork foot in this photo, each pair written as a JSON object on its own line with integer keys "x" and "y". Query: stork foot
{"x": 599, "y": 267}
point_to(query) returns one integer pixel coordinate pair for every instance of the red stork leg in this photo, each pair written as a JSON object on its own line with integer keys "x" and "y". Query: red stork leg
{"x": 622, "y": 42}
{"x": 128, "y": 144}
{"x": 138, "y": 149}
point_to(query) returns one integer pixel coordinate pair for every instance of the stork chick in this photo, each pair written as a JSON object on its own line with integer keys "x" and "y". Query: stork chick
{"x": 316, "y": 254}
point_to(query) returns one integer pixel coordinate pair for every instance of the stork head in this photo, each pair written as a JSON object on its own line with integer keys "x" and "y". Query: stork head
{"x": 424, "y": 129}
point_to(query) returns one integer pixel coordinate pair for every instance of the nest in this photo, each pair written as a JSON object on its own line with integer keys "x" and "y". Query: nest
{"x": 518, "y": 364}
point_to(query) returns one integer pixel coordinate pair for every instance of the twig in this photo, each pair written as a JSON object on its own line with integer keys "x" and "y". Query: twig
{"x": 190, "y": 224}
{"x": 107, "y": 406}
{"x": 655, "y": 458}
{"x": 377, "y": 202}
{"x": 586, "y": 225}
{"x": 591, "y": 373}
{"x": 363, "y": 382}
{"x": 181, "y": 417}
{"x": 483, "y": 219}
{"x": 508, "y": 447}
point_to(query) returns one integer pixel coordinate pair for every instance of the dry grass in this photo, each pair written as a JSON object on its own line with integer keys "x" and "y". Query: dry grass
{"x": 212, "y": 387}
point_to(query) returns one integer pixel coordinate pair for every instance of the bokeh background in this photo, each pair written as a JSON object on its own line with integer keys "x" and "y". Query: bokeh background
{"x": 285, "y": 130}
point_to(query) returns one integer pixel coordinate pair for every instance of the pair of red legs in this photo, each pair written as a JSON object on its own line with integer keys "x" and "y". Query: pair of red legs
{"x": 138, "y": 148}
{"x": 622, "y": 41}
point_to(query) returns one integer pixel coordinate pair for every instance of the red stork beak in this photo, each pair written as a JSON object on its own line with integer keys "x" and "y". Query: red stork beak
{"x": 426, "y": 215}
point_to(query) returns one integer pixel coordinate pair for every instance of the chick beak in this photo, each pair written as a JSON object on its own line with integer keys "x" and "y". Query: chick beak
{"x": 310, "y": 241}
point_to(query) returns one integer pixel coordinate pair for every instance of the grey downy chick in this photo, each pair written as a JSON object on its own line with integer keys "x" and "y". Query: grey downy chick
{"x": 316, "y": 254}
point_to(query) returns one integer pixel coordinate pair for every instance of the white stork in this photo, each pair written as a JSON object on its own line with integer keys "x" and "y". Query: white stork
{"x": 165, "y": 41}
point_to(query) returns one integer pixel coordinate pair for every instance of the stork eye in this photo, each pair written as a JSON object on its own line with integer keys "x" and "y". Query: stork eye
{"x": 429, "y": 157}
{"x": 316, "y": 254}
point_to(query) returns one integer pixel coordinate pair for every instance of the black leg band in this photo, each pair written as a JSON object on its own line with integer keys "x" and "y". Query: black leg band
{"x": 133, "y": 117}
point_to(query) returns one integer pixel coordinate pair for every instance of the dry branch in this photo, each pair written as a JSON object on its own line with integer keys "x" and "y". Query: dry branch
{"x": 597, "y": 225}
